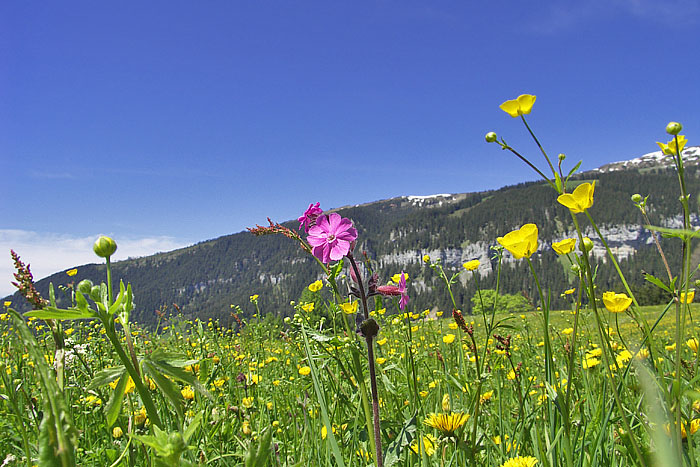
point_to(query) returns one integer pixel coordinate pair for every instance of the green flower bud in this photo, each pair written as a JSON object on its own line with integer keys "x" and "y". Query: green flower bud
{"x": 697, "y": 283}
{"x": 491, "y": 137}
{"x": 562, "y": 157}
{"x": 673, "y": 128}
{"x": 96, "y": 293}
{"x": 587, "y": 245}
{"x": 104, "y": 247}
{"x": 636, "y": 198}
{"x": 85, "y": 286}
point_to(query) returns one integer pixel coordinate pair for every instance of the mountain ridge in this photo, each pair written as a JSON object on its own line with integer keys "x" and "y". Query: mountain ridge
{"x": 206, "y": 278}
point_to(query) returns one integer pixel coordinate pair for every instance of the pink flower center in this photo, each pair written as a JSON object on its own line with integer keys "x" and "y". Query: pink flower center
{"x": 331, "y": 237}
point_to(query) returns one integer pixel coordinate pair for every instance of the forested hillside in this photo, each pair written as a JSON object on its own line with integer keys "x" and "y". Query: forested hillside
{"x": 206, "y": 279}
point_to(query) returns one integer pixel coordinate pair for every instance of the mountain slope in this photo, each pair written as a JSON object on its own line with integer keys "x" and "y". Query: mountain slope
{"x": 205, "y": 279}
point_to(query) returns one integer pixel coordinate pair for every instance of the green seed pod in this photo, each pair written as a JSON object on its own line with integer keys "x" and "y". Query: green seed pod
{"x": 673, "y": 128}
{"x": 104, "y": 247}
{"x": 491, "y": 137}
{"x": 369, "y": 328}
{"x": 636, "y": 198}
{"x": 85, "y": 286}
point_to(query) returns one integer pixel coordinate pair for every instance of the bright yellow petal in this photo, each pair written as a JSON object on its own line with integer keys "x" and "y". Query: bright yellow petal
{"x": 665, "y": 149}
{"x": 526, "y": 101}
{"x": 565, "y": 246}
{"x": 583, "y": 195}
{"x": 511, "y": 107}
{"x": 529, "y": 232}
{"x": 568, "y": 200}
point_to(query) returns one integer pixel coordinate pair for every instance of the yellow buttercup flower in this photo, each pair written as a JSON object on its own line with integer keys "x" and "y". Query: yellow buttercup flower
{"x": 316, "y": 286}
{"x": 670, "y": 149}
{"x": 616, "y": 302}
{"x": 448, "y": 338}
{"x": 687, "y": 298}
{"x": 520, "y": 461}
{"x": 471, "y": 265}
{"x": 304, "y": 371}
{"x": 308, "y": 307}
{"x": 396, "y": 278}
{"x": 72, "y": 272}
{"x": 522, "y": 242}
{"x": 187, "y": 393}
{"x": 349, "y": 308}
{"x": 580, "y": 200}
{"x": 565, "y": 246}
{"x": 520, "y": 106}
{"x": 117, "y": 432}
{"x": 569, "y": 291}
{"x": 429, "y": 445}
{"x": 693, "y": 344}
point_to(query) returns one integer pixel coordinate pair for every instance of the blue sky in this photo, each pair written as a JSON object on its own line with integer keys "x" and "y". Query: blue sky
{"x": 168, "y": 123}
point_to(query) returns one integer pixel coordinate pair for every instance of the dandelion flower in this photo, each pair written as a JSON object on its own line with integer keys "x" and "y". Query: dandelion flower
{"x": 520, "y": 461}
{"x": 447, "y": 423}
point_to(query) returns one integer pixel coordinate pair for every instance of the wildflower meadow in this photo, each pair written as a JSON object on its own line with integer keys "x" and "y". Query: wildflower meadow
{"x": 356, "y": 376}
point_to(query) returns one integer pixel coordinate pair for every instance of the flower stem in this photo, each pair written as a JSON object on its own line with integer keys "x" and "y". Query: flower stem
{"x": 370, "y": 360}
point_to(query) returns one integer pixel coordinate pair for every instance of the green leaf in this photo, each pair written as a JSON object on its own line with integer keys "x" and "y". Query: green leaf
{"x": 120, "y": 298}
{"x": 403, "y": 439}
{"x": 106, "y": 376}
{"x": 657, "y": 282}
{"x": 192, "y": 427}
{"x": 263, "y": 452}
{"x": 674, "y": 233}
{"x": 167, "y": 387}
{"x": 114, "y": 406}
{"x": 159, "y": 361}
{"x": 572, "y": 171}
{"x": 61, "y": 314}
{"x": 58, "y": 435}
{"x": 52, "y": 295}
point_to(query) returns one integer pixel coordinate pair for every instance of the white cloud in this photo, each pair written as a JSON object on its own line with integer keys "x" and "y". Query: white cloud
{"x": 49, "y": 252}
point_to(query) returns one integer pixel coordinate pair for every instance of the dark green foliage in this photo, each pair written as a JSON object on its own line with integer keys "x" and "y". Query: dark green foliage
{"x": 506, "y": 303}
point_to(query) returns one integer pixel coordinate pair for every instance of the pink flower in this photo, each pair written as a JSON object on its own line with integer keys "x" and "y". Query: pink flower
{"x": 331, "y": 237}
{"x": 308, "y": 219}
{"x": 392, "y": 290}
